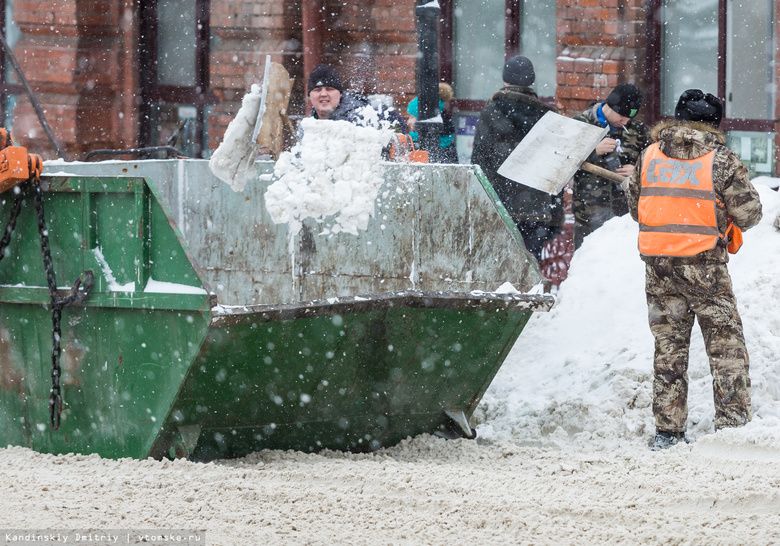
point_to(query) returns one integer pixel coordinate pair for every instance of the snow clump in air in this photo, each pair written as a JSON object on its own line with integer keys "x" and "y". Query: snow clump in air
{"x": 332, "y": 175}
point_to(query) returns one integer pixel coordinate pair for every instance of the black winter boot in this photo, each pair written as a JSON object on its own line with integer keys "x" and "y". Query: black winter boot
{"x": 665, "y": 440}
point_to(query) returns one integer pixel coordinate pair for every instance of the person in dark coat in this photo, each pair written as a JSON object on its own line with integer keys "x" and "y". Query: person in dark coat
{"x": 596, "y": 199}
{"x": 506, "y": 119}
{"x": 330, "y": 101}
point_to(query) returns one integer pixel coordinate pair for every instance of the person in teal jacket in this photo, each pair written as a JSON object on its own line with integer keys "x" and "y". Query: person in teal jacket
{"x": 446, "y": 152}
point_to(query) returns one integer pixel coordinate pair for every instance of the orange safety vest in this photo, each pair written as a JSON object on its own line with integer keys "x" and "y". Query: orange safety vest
{"x": 676, "y": 205}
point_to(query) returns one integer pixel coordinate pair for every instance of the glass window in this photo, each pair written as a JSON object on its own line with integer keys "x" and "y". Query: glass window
{"x": 9, "y": 103}
{"x": 537, "y": 42}
{"x": 175, "y": 45}
{"x": 12, "y": 34}
{"x": 750, "y": 58}
{"x": 478, "y": 48}
{"x": 689, "y": 49}
{"x": 756, "y": 150}
{"x": 739, "y": 66}
{"x": 480, "y": 44}
{"x": 10, "y": 88}
{"x": 177, "y": 125}
{"x": 176, "y": 42}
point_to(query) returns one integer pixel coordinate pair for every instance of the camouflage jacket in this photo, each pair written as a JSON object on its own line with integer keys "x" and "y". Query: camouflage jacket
{"x": 689, "y": 140}
{"x": 591, "y": 190}
{"x": 633, "y": 139}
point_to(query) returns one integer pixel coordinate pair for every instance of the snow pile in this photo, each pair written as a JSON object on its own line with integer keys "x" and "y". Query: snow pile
{"x": 581, "y": 375}
{"x": 333, "y": 176}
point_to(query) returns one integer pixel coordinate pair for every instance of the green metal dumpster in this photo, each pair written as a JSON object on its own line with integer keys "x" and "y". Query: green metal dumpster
{"x": 212, "y": 332}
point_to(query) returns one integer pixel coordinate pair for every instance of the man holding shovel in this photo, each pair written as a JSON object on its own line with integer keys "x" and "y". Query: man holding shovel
{"x": 597, "y": 199}
{"x": 330, "y": 101}
{"x": 506, "y": 120}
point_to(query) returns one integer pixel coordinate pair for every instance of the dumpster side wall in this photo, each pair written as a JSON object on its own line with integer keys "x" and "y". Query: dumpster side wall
{"x": 126, "y": 348}
{"x": 433, "y": 228}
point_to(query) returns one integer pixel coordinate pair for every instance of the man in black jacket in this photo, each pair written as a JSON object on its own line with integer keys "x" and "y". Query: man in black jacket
{"x": 330, "y": 101}
{"x": 507, "y": 117}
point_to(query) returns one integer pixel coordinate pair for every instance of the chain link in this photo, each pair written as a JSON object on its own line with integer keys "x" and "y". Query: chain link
{"x": 11, "y": 225}
{"x": 55, "y": 398}
{"x": 77, "y": 294}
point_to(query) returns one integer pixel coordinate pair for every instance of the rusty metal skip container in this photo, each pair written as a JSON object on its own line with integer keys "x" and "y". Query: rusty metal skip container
{"x": 212, "y": 332}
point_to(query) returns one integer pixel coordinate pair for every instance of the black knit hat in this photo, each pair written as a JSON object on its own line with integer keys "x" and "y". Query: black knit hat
{"x": 519, "y": 70}
{"x": 625, "y": 99}
{"x": 324, "y": 76}
{"x": 695, "y": 105}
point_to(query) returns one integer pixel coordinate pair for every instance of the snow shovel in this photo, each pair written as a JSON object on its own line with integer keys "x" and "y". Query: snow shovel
{"x": 257, "y": 125}
{"x": 552, "y": 151}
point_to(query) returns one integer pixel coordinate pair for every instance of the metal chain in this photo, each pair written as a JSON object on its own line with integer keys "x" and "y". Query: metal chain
{"x": 77, "y": 294}
{"x": 11, "y": 225}
{"x": 55, "y": 398}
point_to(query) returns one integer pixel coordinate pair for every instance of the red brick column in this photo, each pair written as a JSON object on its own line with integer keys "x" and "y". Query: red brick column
{"x": 396, "y": 50}
{"x": 601, "y": 44}
{"x": 246, "y": 31}
{"x": 79, "y": 58}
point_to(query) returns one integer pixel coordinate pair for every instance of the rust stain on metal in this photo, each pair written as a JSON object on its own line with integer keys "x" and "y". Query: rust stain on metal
{"x": 10, "y": 376}
{"x": 72, "y": 355}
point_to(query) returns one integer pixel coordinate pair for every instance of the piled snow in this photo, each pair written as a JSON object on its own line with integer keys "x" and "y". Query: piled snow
{"x": 333, "y": 176}
{"x": 581, "y": 375}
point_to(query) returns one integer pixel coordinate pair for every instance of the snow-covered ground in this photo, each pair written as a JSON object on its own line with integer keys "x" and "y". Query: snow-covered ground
{"x": 562, "y": 454}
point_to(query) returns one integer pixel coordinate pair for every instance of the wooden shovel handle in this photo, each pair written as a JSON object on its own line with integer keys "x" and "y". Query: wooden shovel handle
{"x": 601, "y": 171}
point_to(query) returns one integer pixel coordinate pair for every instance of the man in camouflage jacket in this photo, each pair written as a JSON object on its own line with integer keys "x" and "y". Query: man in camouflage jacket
{"x": 680, "y": 289}
{"x": 597, "y": 199}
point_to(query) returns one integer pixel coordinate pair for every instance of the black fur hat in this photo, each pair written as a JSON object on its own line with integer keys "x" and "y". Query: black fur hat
{"x": 324, "y": 76}
{"x": 695, "y": 105}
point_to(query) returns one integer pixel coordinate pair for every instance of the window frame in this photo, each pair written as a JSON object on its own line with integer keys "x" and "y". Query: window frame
{"x": 6, "y": 89}
{"x": 513, "y": 25}
{"x": 654, "y": 67}
{"x": 201, "y": 96}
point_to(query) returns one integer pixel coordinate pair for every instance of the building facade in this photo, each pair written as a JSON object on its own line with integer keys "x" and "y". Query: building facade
{"x": 126, "y": 74}
{"x": 130, "y": 74}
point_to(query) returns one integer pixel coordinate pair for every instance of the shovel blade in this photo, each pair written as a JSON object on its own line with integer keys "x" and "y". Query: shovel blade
{"x": 551, "y": 152}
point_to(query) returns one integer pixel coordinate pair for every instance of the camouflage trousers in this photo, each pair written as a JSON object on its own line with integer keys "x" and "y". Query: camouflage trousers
{"x": 675, "y": 295}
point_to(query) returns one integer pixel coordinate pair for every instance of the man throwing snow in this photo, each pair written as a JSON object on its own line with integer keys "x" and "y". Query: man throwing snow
{"x": 685, "y": 190}
{"x": 330, "y": 101}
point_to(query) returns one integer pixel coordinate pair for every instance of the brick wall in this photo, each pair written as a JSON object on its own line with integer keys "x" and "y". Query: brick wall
{"x": 600, "y": 44}
{"x": 79, "y": 59}
{"x": 245, "y": 32}
{"x": 373, "y": 44}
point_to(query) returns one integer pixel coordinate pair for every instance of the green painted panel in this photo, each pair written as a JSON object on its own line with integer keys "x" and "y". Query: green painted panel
{"x": 376, "y": 376}
{"x": 126, "y": 349}
{"x": 121, "y": 373}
